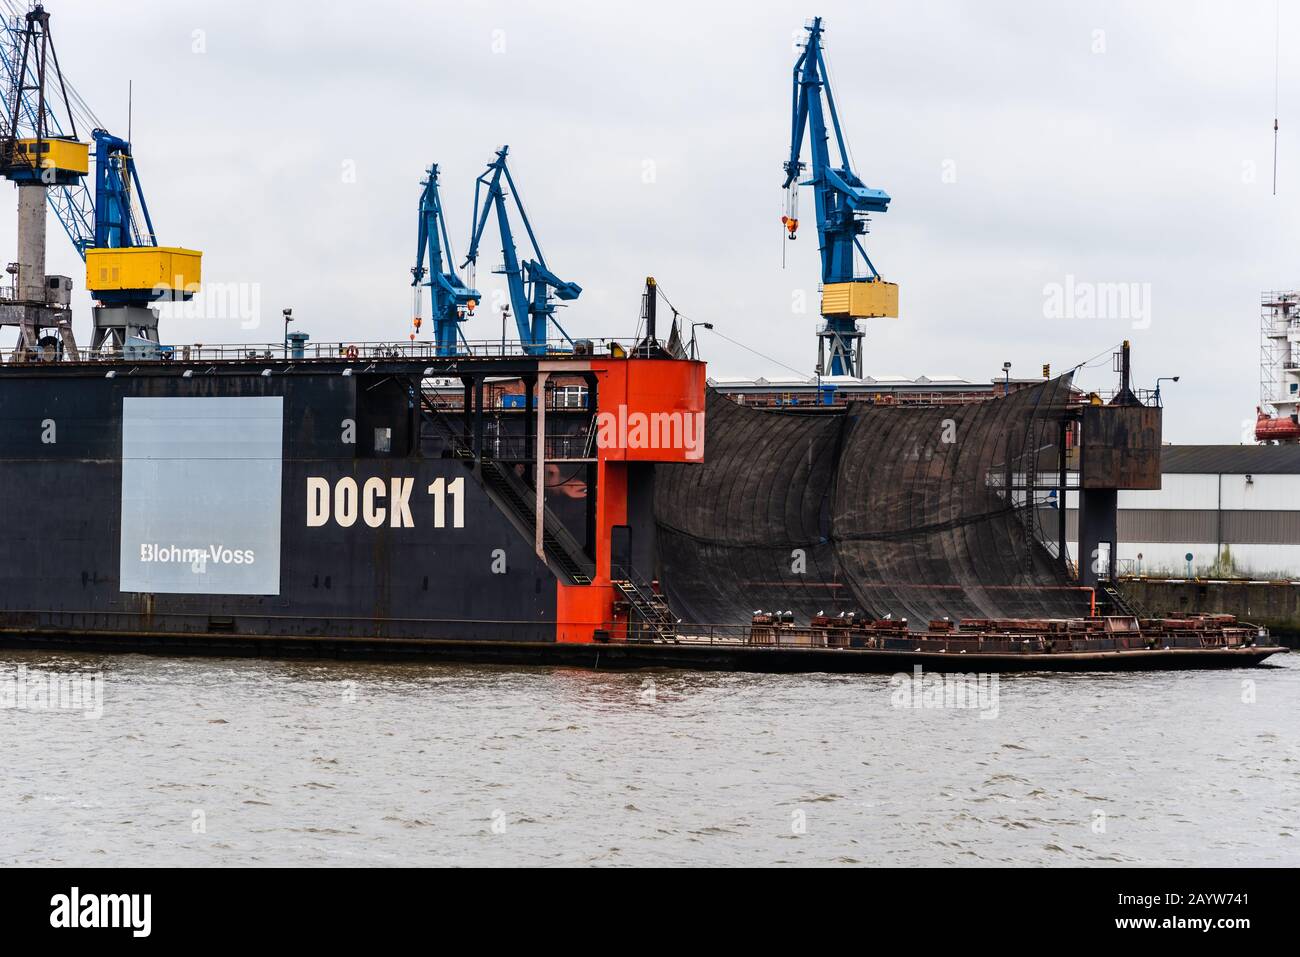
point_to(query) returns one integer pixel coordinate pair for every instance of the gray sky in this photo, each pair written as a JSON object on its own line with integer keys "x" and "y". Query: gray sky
{"x": 1020, "y": 145}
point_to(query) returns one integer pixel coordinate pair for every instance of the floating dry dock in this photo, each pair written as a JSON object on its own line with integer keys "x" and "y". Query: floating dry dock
{"x": 579, "y": 508}
{"x": 1099, "y": 644}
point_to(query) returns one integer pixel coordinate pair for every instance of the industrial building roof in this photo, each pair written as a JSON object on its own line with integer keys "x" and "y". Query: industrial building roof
{"x": 1230, "y": 459}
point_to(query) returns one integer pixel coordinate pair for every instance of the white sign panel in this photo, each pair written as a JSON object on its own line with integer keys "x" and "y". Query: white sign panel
{"x": 201, "y": 486}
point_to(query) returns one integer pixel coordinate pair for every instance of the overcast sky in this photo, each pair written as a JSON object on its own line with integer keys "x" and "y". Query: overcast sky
{"x": 1022, "y": 143}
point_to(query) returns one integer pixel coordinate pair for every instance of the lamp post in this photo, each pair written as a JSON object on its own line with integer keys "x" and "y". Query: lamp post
{"x": 706, "y": 325}
{"x": 1006, "y": 381}
{"x": 1164, "y": 378}
{"x": 288, "y": 318}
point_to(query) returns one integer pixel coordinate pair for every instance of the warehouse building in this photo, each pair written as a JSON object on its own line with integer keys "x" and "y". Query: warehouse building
{"x": 1235, "y": 509}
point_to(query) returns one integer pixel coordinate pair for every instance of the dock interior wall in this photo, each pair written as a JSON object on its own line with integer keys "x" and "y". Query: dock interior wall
{"x": 918, "y": 513}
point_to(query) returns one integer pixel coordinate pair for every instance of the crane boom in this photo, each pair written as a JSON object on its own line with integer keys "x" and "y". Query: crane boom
{"x": 843, "y": 204}
{"x": 532, "y": 284}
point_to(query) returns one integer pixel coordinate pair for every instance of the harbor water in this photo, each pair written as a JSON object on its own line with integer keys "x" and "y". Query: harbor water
{"x": 224, "y": 762}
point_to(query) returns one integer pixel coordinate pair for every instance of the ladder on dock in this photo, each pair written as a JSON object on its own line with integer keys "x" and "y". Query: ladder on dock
{"x": 652, "y": 611}
{"x": 1117, "y": 602}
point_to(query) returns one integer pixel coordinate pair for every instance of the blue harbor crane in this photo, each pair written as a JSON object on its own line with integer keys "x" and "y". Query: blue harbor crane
{"x": 37, "y": 156}
{"x": 106, "y": 219}
{"x": 70, "y": 198}
{"x": 126, "y": 270}
{"x": 451, "y": 300}
{"x": 843, "y": 203}
{"x": 533, "y": 287}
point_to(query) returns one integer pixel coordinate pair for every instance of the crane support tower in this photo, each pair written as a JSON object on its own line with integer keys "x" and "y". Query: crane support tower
{"x": 852, "y": 289}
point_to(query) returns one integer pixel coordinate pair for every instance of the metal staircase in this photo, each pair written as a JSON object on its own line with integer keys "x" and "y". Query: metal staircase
{"x": 655, "y": 619}
{"x": 564, "y": 554}
{"x": 1117, "y": 602}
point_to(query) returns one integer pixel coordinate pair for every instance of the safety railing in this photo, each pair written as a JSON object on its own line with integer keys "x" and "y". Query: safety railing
{"x": 506, "y": 396}
{"x": 185, "y": 621}
{"x": 347, "y": 350}
{"x": 559, "y": 448}
{"x": 1188, "y": 634}
{"x": 843, "y": 395}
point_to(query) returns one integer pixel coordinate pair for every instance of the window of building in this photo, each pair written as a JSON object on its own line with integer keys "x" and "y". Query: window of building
{"x": 570, "y": 397}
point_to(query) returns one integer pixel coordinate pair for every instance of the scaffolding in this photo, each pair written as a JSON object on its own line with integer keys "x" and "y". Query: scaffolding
{"x": 1279, "y": 323}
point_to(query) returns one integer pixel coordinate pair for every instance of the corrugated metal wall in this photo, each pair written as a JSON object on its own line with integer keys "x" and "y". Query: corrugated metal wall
{"x": 1257, "y": 519}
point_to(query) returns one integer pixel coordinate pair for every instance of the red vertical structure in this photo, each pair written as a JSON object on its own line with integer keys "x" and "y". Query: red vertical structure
{"x": 648, "y": 412}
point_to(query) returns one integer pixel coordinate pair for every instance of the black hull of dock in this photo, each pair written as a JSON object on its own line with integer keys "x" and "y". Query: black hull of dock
{"x": 686, "y": 654}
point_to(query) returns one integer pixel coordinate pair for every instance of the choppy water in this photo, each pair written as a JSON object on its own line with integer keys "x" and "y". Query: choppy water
{"x": 246, "y": 762}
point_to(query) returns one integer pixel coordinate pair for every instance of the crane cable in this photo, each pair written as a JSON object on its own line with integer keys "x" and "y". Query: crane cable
{"x": 1277, "y": 47}
{"x": 660, "y": 291}
{"x": 77, "y": 106}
